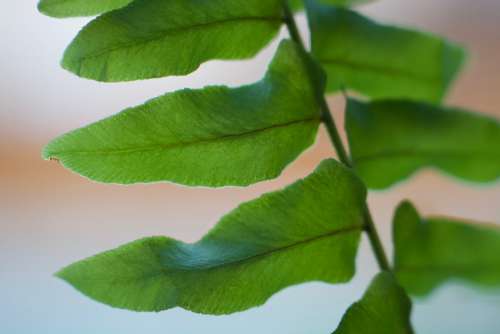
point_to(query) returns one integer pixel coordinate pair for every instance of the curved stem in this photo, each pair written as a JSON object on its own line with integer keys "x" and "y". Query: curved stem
{"x": 334, "y": 135}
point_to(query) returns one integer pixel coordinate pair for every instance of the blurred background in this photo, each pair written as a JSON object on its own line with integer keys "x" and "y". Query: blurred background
{"x": 50, "y": 217}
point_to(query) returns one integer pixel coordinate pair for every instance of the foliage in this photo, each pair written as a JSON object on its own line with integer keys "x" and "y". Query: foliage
{"x": 70, "y": 8}
{"x": 220, "y": 136}
{"x": 242, "y": 135}
{"x": 380, "y": 61}
{"x": 307, "y": 231}
{"x": 454, "y": 249}
{"x": 385, "y": 308}
{"x": 391, "y": 139}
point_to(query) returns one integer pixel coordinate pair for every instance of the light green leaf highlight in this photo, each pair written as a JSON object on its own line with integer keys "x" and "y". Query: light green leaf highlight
{"x": 430, "y": 252}
{"x": 380, "y": 61}
{"x": 299, "y": 4}
{"x": 73, "y": 8}
{"x": 384, "y": 309}
{"x": 390, "y": 140}
{"x": 216, "y": 136}
{"x": 156, "y": 38}
{"x": 308, "y": 231}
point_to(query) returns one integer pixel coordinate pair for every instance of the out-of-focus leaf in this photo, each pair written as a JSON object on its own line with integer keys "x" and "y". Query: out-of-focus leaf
{"x": 430, "y": 252}
{"x": 380, "y": 61}
{"x": 384, "y": 309}
{"x": 392, "y": 139}
{"x": 308, "y": 231}
{"x": 216, "y": 136}
{"x": 299, "y": 4}
{"x": 72, "y": 8}
{"x": 156, "y": 38}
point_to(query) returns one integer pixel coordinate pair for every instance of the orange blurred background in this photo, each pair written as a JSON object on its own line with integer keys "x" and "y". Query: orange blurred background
{"x": 50, "y": 217}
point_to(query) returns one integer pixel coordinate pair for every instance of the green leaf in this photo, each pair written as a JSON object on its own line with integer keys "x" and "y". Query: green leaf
{"x": 390, "y": 140}
{"x": 384, "y": 309}
{"x": 380, "y": 61}
{"x": 72, "y": 8}
{"x": 156, "y": 38}
{"x": 430, "y": 252}
{"x": 308, "y": 231}
{"x": 299, "y": 4}
{"x": 216, "y": 136}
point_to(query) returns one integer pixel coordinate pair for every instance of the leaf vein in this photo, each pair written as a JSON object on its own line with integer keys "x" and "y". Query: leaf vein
{"x": 344, "y": 230}
{"x": 385, "y": 70}
{"x": 183, "y": 144}
{"x": 173, "y": 31}
{"x": 420, "y": 152}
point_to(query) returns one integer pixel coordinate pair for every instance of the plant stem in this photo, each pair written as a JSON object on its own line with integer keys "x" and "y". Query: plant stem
{"x": 333, "y": 133}
{"x": 375, "y": 242}
{"x": 291, "y": 25}
{"x": 331, "y": 127}
{"x": 370, "y": 227}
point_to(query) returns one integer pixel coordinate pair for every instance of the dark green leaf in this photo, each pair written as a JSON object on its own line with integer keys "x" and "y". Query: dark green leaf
{"x": 308, "y": 231}
{"x": 384, "y": 309}
{"x": 390, "y": 140}
{"x": 71, "y": 8}
{"x": 380, "y": 61}
{"x": 429, "y": 252}
{"x": 155, "y": 38}
{"x": 215, "y": 136}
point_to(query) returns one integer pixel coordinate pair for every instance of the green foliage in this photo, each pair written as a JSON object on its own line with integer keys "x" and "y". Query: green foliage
{"x": 220, "y": 136}
{"x": 215, "y": 136}
{"x": 299, "y": 4}
{"x": 429, "y": 252}
{"x": 71, "y": 8}
{"x": 156, "y": 38}
{"x": 307, "y": 231}
{"x": 384, "y": 309}
{"x": 380, "y": 61}
{"x": 390, "y": 140}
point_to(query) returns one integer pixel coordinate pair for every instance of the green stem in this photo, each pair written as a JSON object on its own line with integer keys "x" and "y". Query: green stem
{"x": 375, "y": 242}
{"x": 333, "y": 133}
{"x": 291, "y": 25}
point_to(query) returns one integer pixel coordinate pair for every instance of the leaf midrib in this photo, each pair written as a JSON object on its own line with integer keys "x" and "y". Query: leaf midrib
{"x": 172, "y": 31}
{"x": 162, "y": 271}
{"x": 455, "y": 268}
{"x": 423, "y": 153}
{"x": 184, "y": 144}
{"x": 394, "y": 72}
{"x": 343, "y": 230}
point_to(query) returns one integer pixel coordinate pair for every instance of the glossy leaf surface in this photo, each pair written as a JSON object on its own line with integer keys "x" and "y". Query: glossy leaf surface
{"x": 308, "y": 231}
{"x": 72, "y": 8}
{"x": 384, "y": 309}
{"x": 156, "y": 38}
{"x": 380, "y": 61}
{"x": 430, "y": 252}
{"x": 390, "y": 140}
{"x": 216, "y": 136}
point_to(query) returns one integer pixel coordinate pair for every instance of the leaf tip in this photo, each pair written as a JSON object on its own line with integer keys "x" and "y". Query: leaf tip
{"x": 406, "y": 204}
{"x": 64, "y": 274}
{"x": 69, "y": 62}
{"x": 48, "y": 154}
{"x": 47, "y": 8}
{"x": 60, "y": 274}
{"x": 406, "y": 214}
{"x": 43, "y": 7}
